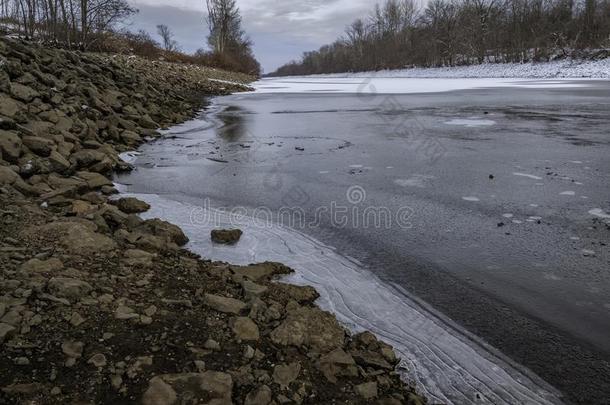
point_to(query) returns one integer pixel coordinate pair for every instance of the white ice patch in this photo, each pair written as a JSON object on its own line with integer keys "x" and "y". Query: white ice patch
{"x": 472, "y": 199}
{"x": 129, "y": 157}
{"x": 507, "y": 215}
{"x": 471, "y": 123}
{"x": 448, "y": 365}
{"x": 324, "y": 172}
{"x": 356, "y": 166}
{"x": 417, "y": 180}
{"x": 529, "y": 176}
{"x": 598, "y": 212}
{"x": 516, "y": 221}
{"x": 572, "y": 193}
{"x": 587, "y": 252}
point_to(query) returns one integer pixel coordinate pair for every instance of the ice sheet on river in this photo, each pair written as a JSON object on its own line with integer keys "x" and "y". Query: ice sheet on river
{"x": 444, "y": 361}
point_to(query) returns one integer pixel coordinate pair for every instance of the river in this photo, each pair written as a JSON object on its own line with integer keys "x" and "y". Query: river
{"x": 465, "y": 221}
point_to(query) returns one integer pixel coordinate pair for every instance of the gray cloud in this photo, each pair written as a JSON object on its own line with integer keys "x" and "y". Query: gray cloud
{"x": 281, "y": 29}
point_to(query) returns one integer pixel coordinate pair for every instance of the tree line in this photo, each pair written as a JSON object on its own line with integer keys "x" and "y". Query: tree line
{"x": 398, "y": 34}
{"x": 95, "y": 25}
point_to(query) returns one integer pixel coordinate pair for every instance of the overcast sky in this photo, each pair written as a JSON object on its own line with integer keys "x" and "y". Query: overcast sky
{"x": 281, "y": 29}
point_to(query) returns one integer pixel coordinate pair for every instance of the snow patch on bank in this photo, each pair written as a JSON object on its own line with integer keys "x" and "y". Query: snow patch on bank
{"x": 566, "y": 69}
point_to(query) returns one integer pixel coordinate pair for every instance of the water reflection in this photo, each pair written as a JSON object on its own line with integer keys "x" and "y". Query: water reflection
{"x": 234, "y": 127}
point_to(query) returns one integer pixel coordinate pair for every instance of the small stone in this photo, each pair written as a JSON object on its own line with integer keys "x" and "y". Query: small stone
{"x": 159, "y": 393}
{"x": 150, "y": 311}
{"x": 245, "y": 329}
{"x": 55, "y": 391}
{"x": 367, "y": 390}
{"x": 73, "y": 349}
{"x": 199, "y": 365}
{"x": 211, "y": 344}
{"x": 249, "y": 353}
{"x": 285, "y": 374}
{"x": 6, "y": 332}
{"x": 116, "y": 381}
{"x": 123, "y": 312}
{"x": 145, "y": 320}
{"x": 76, "y": 320}
{"x": 98, "y": 360}
{"x": 224, "y": 304}
{"x": 259, "y": 396}
{"x": 22, "y": 361}
{"x": 226, "y": 236}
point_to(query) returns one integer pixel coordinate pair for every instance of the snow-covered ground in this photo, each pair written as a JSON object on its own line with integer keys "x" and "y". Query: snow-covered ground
{"x": 566, "y": 68}
{"x": 378, "y": 84}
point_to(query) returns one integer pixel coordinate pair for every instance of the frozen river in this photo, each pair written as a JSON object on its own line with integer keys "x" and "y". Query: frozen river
{"x": 458, "y": 219}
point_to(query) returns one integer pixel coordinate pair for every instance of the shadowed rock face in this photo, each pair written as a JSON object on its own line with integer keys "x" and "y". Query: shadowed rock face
{"x": 94, "y": 291}
{"x": 226, "y": 236}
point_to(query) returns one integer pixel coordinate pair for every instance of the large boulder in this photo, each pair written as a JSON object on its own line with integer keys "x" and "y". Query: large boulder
{"x": 23, "y": 93}
{"x": 38, "y": 145}
{"x": 310, "y": 327}
{"x": 8, "y": 106}
{"x": 211, "y": 387}
{"x": 132, "y": 205}
{"x": 226, "y": 236}
{"x": 67, "y": 287}
{"x": 78, "y": 238}
{"x": 163, "y": 229}
{"x": 224, "y": 304}
{"x": 261, "y": 271}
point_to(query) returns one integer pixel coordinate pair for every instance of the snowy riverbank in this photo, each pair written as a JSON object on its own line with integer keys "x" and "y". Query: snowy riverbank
{"x": 567, "y": 68}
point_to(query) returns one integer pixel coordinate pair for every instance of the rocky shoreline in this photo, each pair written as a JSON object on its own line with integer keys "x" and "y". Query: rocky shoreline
{"x": 100, "y": 306}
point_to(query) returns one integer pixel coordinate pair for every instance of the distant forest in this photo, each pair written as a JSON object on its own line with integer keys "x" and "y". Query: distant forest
{"x": 398, "y": 34}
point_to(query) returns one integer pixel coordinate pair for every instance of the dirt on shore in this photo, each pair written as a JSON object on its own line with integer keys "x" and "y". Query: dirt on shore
{"x": 100, "y": 306}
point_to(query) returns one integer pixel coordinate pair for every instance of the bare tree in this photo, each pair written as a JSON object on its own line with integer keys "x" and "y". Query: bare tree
{"x": 167, "y": 36}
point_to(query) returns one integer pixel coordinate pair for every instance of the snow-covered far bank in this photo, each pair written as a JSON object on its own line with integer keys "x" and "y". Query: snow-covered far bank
{"x": 402, "y": 85}
{"x": 566, "y": 68}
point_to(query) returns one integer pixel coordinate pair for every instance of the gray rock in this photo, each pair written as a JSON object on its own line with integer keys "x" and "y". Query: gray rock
{"x": 132, "y": 205}
{"x": 211, "y": 386}
{"x": 261, "y": 271}
{"x": 163, "y": 229}
{"x": 224, "y": 304}
{"x": 284, "y": 374}
{"x": 259, "y": 396}
{"x": 69, "y": 287}
{"x": 245, "y": 329}
{"x": 38, "y": 145}
{"x": 337, "y": 364}
{"x": 23, "y": 93}
{"x": 6, "y": 332}
{"x": 37, "y": 266}
{"x": 98, "y": 360}
{"x": 311, "y": 327}
{"x": 73, "y": 349}
{"x": 10, "y": 146}
{"x": 159, "y": 393}
{"x": 226, "y": 236}
{"x": 367, "y": 390}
